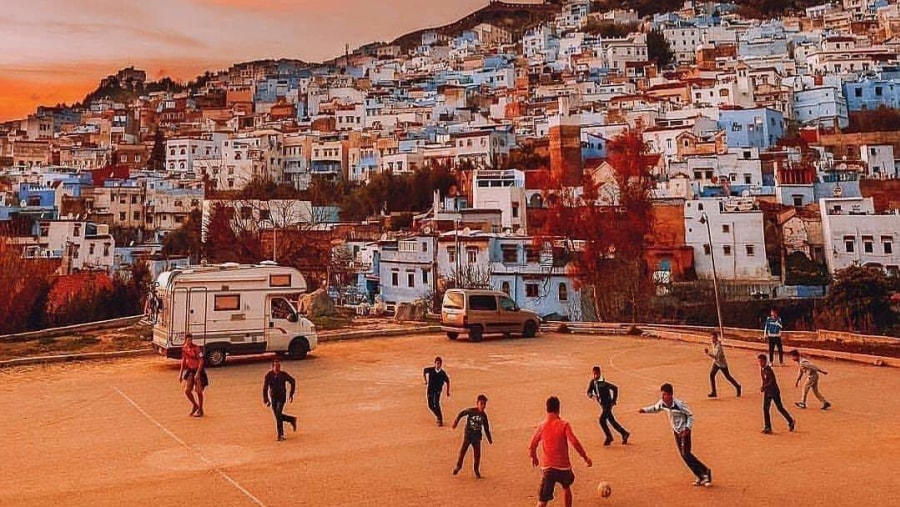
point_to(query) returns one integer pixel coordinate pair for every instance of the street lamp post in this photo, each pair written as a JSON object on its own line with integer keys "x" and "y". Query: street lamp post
{"x": 704, "y": 219}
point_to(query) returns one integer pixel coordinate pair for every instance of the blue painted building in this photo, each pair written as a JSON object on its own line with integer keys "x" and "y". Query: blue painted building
{"x": 871, "y": 94}
{"x": 760, "y": 127}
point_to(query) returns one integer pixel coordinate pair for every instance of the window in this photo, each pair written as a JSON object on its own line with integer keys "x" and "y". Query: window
{"x": 849, "y": 244}
{"x": 515, "y": 210}
{"x": 454, "y": 300}
{"x": 227, "y": 302}
{"x": 868, "y": 244}
{"x": 395, "y": 279}
{"x": 726, "y": 228}
{"x": 472, "y": 255}
{"x": 563, "y": 292}
{"x": 857, "y": 92}
{"x": 106, "y": 249}
{"x": 134, "y": 199}
{"x": 425, "y": 276}
{"x": 280, "y": 280}
{"x": 410, "y": 279}
{"x": 121, "y": 216}
{"x": 706, "y": 249}
{"x": 504, "y": 287}
{"x": 91, "y": 249}
{"x": 888, "y": 243}
{"x": 482, "y": 302}
{"x": 510, "y": 254}
{"x": 532, "y": 290}
{"x": 751, "y": 250}
{"x": 246, "y": 213}
{"x": 451, "y": 254}
{"x": 424, "y": 247}
{"x": 798, "y": 200}
{"x": 136, "y": 215}
{"x": 878, "y": 91}
{"x": 727, "y": 250}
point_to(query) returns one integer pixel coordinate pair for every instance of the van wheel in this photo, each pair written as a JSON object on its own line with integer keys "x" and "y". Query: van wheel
{"x": 215, "y": 357}
{"x": 530, "y": 329}
{"x": 453, "y": 336}
{"x": 475, "y": 333}
{"x": 298, "y": 349}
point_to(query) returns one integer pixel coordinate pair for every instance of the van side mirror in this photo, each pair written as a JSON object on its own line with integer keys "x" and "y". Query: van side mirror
{"x": 292, "y": 317}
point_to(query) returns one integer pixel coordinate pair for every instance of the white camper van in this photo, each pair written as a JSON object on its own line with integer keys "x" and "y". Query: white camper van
{"x": 231, "y": 309}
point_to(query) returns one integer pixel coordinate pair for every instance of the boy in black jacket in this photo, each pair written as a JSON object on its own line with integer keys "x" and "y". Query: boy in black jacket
{"x": 476, "y": 419}
{"x": 771, "y": 394}
{"x": 606, "y": 395}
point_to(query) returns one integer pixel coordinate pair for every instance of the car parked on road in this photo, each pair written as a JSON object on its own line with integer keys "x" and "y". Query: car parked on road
{"x": 480, "y": 312}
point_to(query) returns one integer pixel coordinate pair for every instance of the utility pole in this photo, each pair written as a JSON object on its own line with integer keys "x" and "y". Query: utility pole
{"x": 704, "y": 219}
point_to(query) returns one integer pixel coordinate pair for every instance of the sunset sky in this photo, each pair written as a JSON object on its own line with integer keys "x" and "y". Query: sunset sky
{"x": 57, "y": 50}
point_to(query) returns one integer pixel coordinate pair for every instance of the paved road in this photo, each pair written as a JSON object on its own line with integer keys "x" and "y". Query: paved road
{"x": 117, "y": 432}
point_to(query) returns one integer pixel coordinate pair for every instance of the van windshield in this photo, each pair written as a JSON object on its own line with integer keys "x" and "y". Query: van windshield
{"x": 454, "y": 300}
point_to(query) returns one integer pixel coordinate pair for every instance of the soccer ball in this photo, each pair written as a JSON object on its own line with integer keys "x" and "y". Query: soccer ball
{"x": 604, "y": 489}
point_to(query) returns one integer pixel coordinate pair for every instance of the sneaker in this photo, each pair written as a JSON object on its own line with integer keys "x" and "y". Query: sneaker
{"x": 712, "y": 395}
{"x": 707, "y": 480}
{"x": 800, "y": 404}
{"x": 767, "y": 431}
{"x": 697, "y": 482}
{"x": 791, "y": 425}
{"x": 455, "y": 470}
{"x": 625, "y": 438}
{"x": 826, "y": 406}
{"x": 607, "y": 441}
{"x": 738, "y": 391}
{"x": 280, "y": 438}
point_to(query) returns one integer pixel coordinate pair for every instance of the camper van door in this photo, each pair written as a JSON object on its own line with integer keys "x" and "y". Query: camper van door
{"x": 281, "y": 320}
{"x": 179, "y": 322}
{"x": 197, "y": 311}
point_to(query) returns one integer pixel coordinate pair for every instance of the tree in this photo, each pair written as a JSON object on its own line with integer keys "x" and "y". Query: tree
{"x": 858, "y": 300}
{"x": 658, "y": 49}
{"x": 605, "y": 243}
{"x": 187, "y": 239}
{"x": 25, "y": 285}
{"x": 801, "y": 270}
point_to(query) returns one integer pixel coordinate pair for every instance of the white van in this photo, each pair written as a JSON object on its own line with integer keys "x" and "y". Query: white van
{"x": 231, "y": 309}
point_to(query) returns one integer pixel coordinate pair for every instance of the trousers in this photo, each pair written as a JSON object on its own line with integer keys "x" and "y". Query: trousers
{"x": 280, "y": 416}
{"x": 767, "y": 404}
{"x": 812, "y": 383}
{"x": 684, "y": 448}
{"x": 434, "y": 404}
{"x": 606, "y": 416}
{"x": 712, "y": 377}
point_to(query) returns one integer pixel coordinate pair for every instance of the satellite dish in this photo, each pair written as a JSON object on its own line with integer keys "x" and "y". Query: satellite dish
{"x": 745, "y": 193}
{"x": 23, "y": 204}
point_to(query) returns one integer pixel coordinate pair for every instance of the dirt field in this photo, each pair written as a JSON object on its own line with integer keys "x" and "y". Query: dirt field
{"x": 117, "y": 432}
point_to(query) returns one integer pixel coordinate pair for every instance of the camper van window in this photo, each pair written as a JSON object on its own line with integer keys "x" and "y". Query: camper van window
{"x": 281, "y": 309}
{"x": 280, "y": 280}
{"x": 227, "y": 302}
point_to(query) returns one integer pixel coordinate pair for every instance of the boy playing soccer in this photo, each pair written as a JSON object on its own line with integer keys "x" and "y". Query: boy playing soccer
{"x": 812, "y": 380}
{"x": 476, "y": 419}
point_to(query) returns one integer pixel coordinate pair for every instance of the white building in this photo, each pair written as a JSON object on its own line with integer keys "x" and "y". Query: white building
{"x": 505, "y": 191}
{"x": 855, "y": 235}
{"x": 81, "y": 245}
{"x": 738, "y": 243}
{"x": 182, "y": 152}
{"x": 880, "y": 160}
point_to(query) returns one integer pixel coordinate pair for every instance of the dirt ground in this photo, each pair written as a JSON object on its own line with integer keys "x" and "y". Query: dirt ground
{"x": 117, "y": 432}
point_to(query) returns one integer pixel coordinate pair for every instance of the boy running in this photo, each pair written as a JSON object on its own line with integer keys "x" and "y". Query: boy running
{"x": 435, "y": 378}
{"x": 719, "y": 364}
{"x": 681, "y": 419}
{"x": 555, "y": 435}
{"x": 607, "y": 395}
{"x": 772, "y": 394}
{"x": 275, "y": 394}
{"x": 476, "y": 419}
{"x": 812, "y": 380}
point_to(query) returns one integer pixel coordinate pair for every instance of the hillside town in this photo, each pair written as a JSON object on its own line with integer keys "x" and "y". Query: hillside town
{"x": 771, "y": 147}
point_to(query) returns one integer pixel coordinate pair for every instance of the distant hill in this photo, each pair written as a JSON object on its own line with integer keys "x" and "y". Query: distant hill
{"x": 515, "y": 17}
